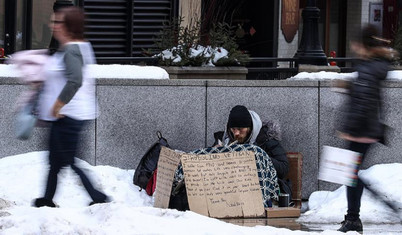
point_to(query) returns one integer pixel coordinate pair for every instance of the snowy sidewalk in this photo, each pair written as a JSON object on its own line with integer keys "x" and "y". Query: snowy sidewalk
{"x": 292, "y": 224}
{"x": 132, "y": 212}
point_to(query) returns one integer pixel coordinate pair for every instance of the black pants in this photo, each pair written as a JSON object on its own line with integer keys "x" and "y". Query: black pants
{"x": 354, "y": 194}
{"x": 63, "y": 143}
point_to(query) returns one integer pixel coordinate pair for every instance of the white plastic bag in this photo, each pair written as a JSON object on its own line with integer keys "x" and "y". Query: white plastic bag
{"x": 25, "y": 122}
{"x": 339, "y": 166}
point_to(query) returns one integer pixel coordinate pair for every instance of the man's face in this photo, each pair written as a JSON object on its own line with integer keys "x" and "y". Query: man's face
{"x": 240, "y": 133}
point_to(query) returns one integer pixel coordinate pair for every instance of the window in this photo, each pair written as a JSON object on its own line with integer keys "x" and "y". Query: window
{"x": 123, "y": 28}
{"x": 41, "y": 34}
{"x": 2, "y": 16}
{"x": 24, "y": 24}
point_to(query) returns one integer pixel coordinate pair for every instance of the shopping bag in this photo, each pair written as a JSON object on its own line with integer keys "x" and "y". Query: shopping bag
{"x": 25, "y": 122}
{"x": 339, "y": 166}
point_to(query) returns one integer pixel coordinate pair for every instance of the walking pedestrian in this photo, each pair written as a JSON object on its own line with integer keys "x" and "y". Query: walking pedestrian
{"x": 67, "y": 99}
{"x": 362, "y": 125}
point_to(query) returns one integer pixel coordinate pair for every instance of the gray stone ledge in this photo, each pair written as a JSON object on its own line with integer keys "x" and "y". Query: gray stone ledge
{"x": 318, "y": 68}
{"x": 201, "y": 70}
{"x": 387, "y": 84}
{"x": 261, "y": 83}
{"x": 125, "y": 82}
{"x": 149, "y": 82}
{"x": 10, "y": 81}
{"x": 208, "y": 82}
{"x": 393, "y": 83}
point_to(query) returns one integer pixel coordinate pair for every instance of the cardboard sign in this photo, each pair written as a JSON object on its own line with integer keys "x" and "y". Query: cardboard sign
{"x": 283, "y": 212}
{"x": 167, "y": 165}
{"x": 339, "y": 166}
{"x": 223, "y": 185}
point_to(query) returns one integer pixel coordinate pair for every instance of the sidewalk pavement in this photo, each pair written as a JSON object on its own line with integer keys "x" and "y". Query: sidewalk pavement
{"x": 292, "y": 224}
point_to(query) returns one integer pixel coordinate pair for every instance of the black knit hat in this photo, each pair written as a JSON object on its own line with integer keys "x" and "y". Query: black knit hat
{"x": 239, "y": 117}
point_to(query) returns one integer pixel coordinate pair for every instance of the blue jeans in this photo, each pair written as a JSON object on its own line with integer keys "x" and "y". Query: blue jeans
{"x": 63, "y": 143}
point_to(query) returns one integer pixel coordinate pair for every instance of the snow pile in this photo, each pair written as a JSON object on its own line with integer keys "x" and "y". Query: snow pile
{"x": 208, "y": 54}
{"x": 329, "y": 207}
{"x": 131, "y": 211}
{"x": 106, "y": 71}
{"x": 317, "y": 76}
{"x": 323, "y": 76}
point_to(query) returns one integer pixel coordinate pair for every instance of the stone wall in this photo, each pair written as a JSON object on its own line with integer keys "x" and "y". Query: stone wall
{"x": 188, "y": 112}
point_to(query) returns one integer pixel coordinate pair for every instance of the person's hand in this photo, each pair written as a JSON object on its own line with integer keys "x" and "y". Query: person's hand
{"x": 56, "y": 109}
{"x": 220, "y": 144}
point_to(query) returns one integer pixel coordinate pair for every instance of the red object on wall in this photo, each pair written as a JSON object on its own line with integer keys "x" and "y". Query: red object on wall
{"x": 1, "y": 52}
{"x": 332, "y": 54}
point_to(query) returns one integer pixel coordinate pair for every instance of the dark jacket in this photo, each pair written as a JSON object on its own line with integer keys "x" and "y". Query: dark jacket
{"x": 363, "y": 108}
{"x": 267, "y": 137}
{"x": 268, "y": 140}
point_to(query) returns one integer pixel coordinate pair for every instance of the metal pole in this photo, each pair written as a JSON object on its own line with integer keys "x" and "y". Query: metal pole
{"x": 310, "y": 50}
{"x": 27, "y": 25}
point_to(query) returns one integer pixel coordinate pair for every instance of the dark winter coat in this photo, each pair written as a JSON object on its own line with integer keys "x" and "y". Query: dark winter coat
{"x": 268, "y": 140}
{"x": 363, "y": 108}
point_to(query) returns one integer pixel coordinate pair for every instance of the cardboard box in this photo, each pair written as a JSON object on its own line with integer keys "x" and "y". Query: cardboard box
{"x": 282, "y": 212}
{"x": 295, "y": 176}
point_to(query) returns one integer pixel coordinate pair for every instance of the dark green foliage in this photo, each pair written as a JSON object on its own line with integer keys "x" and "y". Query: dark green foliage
{"x": 222, "y": 35}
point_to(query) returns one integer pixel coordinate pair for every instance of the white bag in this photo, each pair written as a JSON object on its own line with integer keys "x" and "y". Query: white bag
{"x": 30, "y": 64}
{"x": 339, "y": 166}
{"x": 25, "y": 122}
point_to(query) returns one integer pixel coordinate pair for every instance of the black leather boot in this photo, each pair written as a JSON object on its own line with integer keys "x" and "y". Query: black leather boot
{"x": 39, "y": 202}
{"x": 106, "y": 200}
{"x": 351, "y": 225}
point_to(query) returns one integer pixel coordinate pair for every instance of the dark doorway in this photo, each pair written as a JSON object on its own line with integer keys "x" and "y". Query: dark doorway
{"x": 9, "y": 34}
{"x": 256, "y": 27}
{"x": 254, "y": 21}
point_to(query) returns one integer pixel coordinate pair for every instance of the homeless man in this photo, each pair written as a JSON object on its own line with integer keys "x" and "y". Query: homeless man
{"x": 246, "y": 127}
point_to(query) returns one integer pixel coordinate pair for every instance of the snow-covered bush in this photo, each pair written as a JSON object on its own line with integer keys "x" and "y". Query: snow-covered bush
{"x": 184, "y": 46}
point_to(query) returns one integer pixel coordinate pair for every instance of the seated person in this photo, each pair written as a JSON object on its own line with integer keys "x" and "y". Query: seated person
{"x": 242, "y": 137}
{"x": 265, "y": 169}
{"x": 245, "y": 127}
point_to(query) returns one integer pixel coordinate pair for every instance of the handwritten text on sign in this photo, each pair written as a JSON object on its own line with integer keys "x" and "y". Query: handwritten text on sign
{"x": 223, "y": 185}
{"x": 167, "y": 165}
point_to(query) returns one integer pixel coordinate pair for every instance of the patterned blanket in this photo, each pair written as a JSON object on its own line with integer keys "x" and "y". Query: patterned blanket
{"x": 266, "y": 171}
